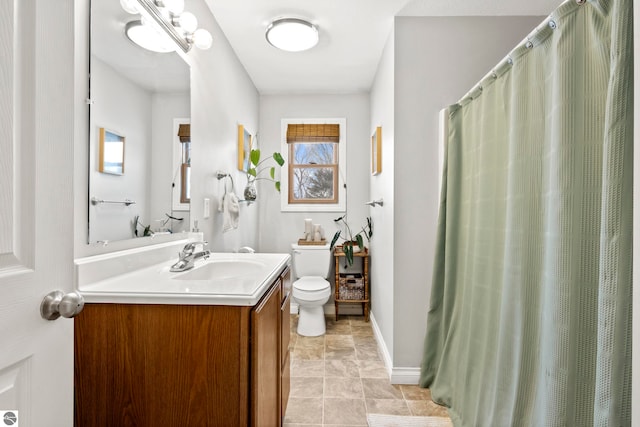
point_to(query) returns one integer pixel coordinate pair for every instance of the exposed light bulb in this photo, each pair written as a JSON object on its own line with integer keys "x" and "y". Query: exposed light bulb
{"x": 129, "y": 6}
{"x": 202, "y": 39}
{"x": 188, "y": 22}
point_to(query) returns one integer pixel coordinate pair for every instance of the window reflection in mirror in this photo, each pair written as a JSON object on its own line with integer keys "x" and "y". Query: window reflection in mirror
{"x": 143, "y": 96}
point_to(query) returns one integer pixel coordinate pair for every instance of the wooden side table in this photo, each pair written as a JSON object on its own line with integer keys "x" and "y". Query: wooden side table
{"x": 352, "y": 287}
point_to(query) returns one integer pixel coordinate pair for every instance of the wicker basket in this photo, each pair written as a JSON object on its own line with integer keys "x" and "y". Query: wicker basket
{"x": 351, "y": 286}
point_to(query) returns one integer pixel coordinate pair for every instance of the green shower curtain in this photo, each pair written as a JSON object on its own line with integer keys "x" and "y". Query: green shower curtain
{"x": 530, "y": 317}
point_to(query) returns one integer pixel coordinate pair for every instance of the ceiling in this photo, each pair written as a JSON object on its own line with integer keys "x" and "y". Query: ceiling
{"x": 155, "y": 72}
{"x": 352, "y": 37}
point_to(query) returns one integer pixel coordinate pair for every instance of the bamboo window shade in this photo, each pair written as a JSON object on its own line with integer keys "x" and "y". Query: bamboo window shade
{"x": 184, "y": 132}
{"x": 313, "y": 133}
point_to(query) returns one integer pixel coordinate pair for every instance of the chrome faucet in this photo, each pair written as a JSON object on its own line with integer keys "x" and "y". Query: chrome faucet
{"x": 188, "y": 256}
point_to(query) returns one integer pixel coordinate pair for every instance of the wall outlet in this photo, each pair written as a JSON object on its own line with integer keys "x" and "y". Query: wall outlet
{"x": 207, "y": 208}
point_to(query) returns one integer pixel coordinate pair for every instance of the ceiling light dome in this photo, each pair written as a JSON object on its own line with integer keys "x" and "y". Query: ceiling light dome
{"x": 292, "y": 34}
{"x": 149, "y": 38}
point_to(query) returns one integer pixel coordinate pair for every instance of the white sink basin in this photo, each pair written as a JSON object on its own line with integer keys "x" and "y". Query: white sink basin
{"x": 223, "y": 279}
{"x": 222, "y": 270}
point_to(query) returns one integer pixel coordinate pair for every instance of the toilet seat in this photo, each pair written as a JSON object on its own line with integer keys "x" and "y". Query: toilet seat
{"x": 311, "y": 283}
{"x": 311, "y": 289}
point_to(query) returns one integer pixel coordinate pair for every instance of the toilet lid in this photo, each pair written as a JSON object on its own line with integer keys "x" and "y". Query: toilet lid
{"x": 311, "y": 284}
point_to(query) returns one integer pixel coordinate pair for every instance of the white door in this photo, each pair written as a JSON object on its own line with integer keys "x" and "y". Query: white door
{"x": 36, "y": 209}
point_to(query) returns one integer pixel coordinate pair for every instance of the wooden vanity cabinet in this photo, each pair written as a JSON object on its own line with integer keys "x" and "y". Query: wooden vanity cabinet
{"x": 285, "y": 339}
{"x": 182, "y": 365}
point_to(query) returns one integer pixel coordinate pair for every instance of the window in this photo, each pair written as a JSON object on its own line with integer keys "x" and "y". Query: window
{"x": 314, "y": 151}
{"x": 181, "y": 192}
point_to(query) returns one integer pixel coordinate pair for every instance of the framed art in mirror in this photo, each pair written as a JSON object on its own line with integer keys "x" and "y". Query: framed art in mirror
{"x": 376, "y": 151}
{"x": 111, "y": 153}
{"x": 245, "y": 142}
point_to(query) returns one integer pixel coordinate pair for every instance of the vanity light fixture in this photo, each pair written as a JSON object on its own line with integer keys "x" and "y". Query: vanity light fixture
{"x": 163, "y": 21}
{"x": 292, "y": 34}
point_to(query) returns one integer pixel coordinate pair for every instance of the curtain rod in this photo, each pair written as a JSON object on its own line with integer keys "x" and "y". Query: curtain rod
{"x": 535, "y": 37}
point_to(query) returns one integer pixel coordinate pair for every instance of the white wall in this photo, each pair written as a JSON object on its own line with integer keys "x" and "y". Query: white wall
{"x": 435, "y": 61}
{"x": 279, "y": 229}
{"x": 222, "y": 95}
{"x": 165, "y": 107}
{"x": 381, "y": 187}
{"x": 123, "y": 107}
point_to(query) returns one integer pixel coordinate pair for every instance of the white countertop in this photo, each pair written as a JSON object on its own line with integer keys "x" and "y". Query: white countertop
{"x": 241, "y": 280}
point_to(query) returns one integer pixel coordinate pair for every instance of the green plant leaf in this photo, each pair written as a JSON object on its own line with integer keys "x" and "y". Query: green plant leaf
{"x": 252, "y": 172}
{"x": 278, "y": 186}
{"x": 347, "y": 248}
{"x": 360, "y": 241}
{"x": 278, "y": 158}
{"x": 272, "y": 172}
{"x": 335, "y": 239}
{"x": 255, "y": 157}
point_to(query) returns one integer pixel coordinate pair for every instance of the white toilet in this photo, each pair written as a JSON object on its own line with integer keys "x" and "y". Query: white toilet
{"x": 311, "y": 291}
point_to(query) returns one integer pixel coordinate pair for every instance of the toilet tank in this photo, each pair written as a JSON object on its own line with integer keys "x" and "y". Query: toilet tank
{"x": 311, "y": 260}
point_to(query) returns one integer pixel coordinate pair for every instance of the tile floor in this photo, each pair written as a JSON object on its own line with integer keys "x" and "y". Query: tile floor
{"x": 338, "y": 378}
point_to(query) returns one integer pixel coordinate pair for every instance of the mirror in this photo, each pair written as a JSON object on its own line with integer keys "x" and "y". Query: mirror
{"x": 140, "y": 187}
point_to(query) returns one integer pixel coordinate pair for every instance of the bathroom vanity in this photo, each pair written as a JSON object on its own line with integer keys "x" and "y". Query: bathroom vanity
{"x": 195, "y": 351}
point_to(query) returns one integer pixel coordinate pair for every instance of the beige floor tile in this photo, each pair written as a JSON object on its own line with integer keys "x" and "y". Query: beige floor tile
{"x": 340, "y": 353}
{"x": 292, "y": 341}
{"x": 367, "y": 352}
{"x": 426, "y": 408}
{"x": 358, "y": 321}
{"x": 364, "y": 340}
{"x": 307, "y": 387}
{"x": 415, "y": 392}
{"x": 307, "y": 368}
{"x": 372, "y": 369}
{"x": 345, "y": 412}
{"x": 387, "y": 406}
{"x": 361, "y": 330}
{"x": 304, "y": 410}
{"x": 349, "y": 388}
{"x": 339, "y": 341}
{"x": 310, "y": 341}
{"x": 338, "y": 378}
{"x": 341, "y": 327}
{"x": 379, "y": 388}
{"x": 307, "y": 353}
{"x": 341, "y": 368}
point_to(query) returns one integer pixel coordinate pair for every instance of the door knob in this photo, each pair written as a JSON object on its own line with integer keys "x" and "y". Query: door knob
{"x": 57, "y": 304}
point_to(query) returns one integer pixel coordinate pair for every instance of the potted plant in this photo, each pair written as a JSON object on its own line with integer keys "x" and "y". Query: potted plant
{"x": 350, "y": 239}
{"x": 256, "y": 168}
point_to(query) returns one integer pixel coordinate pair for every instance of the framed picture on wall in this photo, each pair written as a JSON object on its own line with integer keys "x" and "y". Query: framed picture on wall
{"x": 111, "y": 152}
{"x": 376, "y": 151}
{"x": 245, "y": 142}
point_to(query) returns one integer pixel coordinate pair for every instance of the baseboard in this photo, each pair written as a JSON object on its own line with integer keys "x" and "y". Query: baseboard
{"x": 382, "y": 346}
{"x": 408, "y": 376}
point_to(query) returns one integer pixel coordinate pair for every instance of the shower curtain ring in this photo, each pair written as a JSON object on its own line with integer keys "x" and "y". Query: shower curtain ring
{"x": 581, "y": 2}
